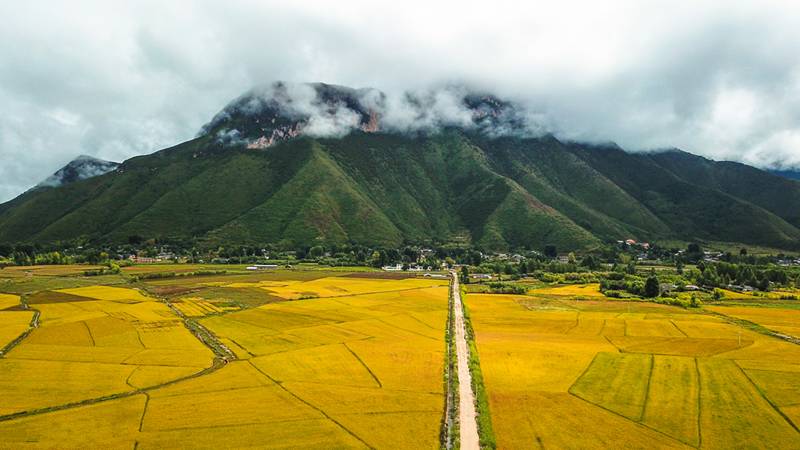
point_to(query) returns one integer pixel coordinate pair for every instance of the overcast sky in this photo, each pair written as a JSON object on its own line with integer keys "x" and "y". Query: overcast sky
{"x": 716, "y": 78}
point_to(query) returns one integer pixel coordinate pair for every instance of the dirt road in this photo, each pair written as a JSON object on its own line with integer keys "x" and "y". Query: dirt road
{"x": 466, "y": 404}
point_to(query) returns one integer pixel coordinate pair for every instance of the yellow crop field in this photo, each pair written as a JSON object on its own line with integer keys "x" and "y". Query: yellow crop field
{"x": 360, "y": 366}
{"x": 336, "y": 286}
{"x": 197, "y": 307}
{"x": 8, "y": 301}
{"x": 112, "y": 424}
{"x": 571, "y": 290}
{"x": 12, "y": 323}
{"x": 786, "y": 321}
{"x": 630, "y": 375}
{"x": 94, "y": 347}
{"x": 330, "y": 361}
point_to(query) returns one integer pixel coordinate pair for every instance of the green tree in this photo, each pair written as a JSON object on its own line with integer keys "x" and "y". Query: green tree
{"x": 651, "y": 288}
{"x": 464, "y": 275}
{"x": 375, "y": 259}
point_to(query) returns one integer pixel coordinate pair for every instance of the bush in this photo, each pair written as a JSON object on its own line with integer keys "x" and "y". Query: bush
{"x": 507, "y": 288}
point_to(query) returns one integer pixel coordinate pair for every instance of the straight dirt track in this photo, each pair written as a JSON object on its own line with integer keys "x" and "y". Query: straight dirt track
{"x": 466, "y": 405}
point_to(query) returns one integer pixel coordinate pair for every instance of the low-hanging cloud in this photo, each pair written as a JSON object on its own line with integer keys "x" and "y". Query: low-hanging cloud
{"x": 326, "y": 111}
{"x": 720, "y": 78}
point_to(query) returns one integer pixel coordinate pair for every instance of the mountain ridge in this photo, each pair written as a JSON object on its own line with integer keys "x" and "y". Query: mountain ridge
{"x": 489, "y": 182}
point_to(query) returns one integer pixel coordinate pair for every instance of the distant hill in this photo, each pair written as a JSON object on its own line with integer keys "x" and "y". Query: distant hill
{"x": 791, "y": 174}
{"x": 80, "y": 168}
{"x": 331, "y": 170}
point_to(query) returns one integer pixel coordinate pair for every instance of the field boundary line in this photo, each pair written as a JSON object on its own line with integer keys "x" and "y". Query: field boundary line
{"x": 355, "y": 386}
{"x": 32, "y": 325}
{"x": 766, "y": 399}
{"x": 89, "y": 331}
{"x": 217, "y": 364}
{"x": 585, "y": 370}
{"x": 603, "y": 328}
{"x": 380, "y": 319}
{"x": 144, "y": 411}
{"x": 647, "y": 388}
{"x": 221, "y": 358}
{"x": 635, "y": 422}
{"x": 372, "y": 374}
{"x": 577, "y": 323}
{"x": 753, "y": 326}
{"x": 678, "y": 328}
{"x": 310, "y": 405}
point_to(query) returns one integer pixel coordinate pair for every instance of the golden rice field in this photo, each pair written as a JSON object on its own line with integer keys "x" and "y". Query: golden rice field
{"x": 92, "y": 342}
{"x": 12, "y": 321}
{"x": 359, "y": 365}
{"x": 562, "y": 373}
{"x": 781, "y": 320}
{"x": 571, "y": 290}
{"x": 319, "y": 359}
{"x": 331, "y": 286}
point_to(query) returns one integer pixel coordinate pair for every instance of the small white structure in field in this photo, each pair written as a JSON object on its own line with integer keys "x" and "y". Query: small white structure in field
{"x": 262, "y": 267}
{"x": 395, "y": 268}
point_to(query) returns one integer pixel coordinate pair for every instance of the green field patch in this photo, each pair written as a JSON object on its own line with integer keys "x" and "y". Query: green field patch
{"x": 617, "y": 382}
{"x": 672, "y": 402}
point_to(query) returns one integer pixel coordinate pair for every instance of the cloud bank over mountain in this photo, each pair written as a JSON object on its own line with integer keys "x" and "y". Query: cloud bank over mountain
{"x": 716, "y": 78}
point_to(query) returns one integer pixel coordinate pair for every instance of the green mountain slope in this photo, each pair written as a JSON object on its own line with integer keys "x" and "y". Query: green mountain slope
{"x": 254, "y": 176}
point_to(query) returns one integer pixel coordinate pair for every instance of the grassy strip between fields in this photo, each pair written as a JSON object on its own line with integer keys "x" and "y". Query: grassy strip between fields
{"x": 449, "y": 437}
{"x": 485, "y": 430}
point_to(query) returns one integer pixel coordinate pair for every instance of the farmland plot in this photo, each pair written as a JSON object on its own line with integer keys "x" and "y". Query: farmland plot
{"x": 631, "y": 375}
{"x": 93, "y": 342}
{"x": 361, "y": 370}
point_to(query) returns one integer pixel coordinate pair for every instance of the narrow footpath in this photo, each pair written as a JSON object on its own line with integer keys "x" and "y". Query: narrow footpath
{"x": 466, "y": 405}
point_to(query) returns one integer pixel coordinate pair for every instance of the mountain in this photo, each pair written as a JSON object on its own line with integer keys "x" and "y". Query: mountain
{"x": 791, "y": 174}
{"x": 304, "y": 164}
{"x": 80, "y": 168}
